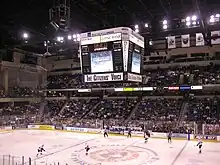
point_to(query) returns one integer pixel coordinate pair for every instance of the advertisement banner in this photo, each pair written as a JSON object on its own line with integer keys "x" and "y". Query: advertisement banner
{"x": 206, "y": 137}
{"x": 158, "y": 134}
{"x": 196, "y": 87}
{"x": 171, "y": 42}
{"x": 46, "y": 127}
{"x": 185, "y": 40}
{"x": 84, "y": 90}
{"x": 125, "y": 46}
{"x": 58, "y": 127}
{"x": 147, "y": 88}
{"x": 200, "y": 39}
{"x": 179, "y": 135}
{"x": 215, "y": 37}
{"x": 134, "y": 77}
{"x": 111, "y": 37}
{"x": 33, "y": 126}
{"x": 135, "y": 40}
{"x": 6, "y": 128}
{"x": 90, "y": 40}
{"x": 76, "y": 129}
{"x": 173, "y": 88}
{"x": 107, "y": 77}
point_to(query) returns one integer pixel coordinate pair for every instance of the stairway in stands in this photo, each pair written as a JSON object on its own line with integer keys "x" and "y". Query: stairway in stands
{"x": 62, "y": 110}
{"x": 132, "y": 112}
{"x": 41, "y": 110}
{"x": 90, "y": 110}
{"x": 183, "y": 111}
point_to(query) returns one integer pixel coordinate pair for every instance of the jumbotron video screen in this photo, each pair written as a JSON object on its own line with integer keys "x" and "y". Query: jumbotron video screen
{"x": 136, "y": 63}
{"x": 101, "y": 61}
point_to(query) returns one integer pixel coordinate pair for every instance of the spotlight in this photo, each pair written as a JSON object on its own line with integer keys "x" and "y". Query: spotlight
{"x": 212, "y": 19}
{"x": 137, "y": 30}
{"x": 136, "y": 26}
{"x": 188, "y": 23}
{"x": 165, "y": 27}
{"x": 25, "y": 35}
{"x": 150, "y": 43}
{"x": 69, "y": 37}
{"x": 217, "y": 15}
{"x": 60, "y": 39}
{"x": 146, "y": 25}
{"x": 164, "y": 22}
{"x": 194, "y": 22}
{"x": 45, "y": 43}
{"x": 194, "y": 18}
{"x": 188, "y": 19}
{"x": 74, "y": 36}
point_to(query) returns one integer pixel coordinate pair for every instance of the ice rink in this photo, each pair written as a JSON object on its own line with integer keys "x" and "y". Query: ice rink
{"x": 67, "y": 147}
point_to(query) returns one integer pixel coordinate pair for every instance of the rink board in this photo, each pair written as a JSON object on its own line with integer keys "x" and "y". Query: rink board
{"x": 137, "y": 134}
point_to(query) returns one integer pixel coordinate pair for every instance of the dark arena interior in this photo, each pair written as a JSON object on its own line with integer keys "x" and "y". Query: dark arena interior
{"x": 110, "y": 82}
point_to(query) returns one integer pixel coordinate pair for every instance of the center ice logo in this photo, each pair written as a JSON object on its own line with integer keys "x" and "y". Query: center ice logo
{"x": 115, "y": 153}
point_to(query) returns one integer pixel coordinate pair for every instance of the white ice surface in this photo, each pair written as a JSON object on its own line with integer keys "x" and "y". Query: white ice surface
{"x": 66, "y": 147}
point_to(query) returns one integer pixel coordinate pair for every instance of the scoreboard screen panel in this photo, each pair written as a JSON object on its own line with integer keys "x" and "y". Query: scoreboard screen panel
{"x": 136, "y": 63}
{"x": 101, "y": 62}
{"x": 102, "y": 58}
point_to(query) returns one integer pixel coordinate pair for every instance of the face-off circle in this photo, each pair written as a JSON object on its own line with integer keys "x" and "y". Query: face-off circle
{"x": 115, "y": 154}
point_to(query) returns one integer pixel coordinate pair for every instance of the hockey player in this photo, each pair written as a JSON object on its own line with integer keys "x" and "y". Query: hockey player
{"x": 87, "y": 149}
{"x": 129, "y": 134}
{"x": 146, "y": 136}
{"x": 40, "y": 150}
{"x": 199, "y": 144}
{"x": 169, "y": 137}
{"x": 105, "y": 133}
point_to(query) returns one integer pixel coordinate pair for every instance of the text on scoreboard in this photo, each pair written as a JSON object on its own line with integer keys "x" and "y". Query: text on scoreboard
{"x": 107, "y": 77}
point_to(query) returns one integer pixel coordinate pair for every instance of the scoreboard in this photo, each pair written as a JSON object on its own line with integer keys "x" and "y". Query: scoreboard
{"x": 110, "y": 55}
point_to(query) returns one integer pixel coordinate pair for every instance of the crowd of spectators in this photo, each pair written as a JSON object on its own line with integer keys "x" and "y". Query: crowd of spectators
{"x": 18, "y": 113}
{"x": 118, "y": 109}
{"x": 77, "y": 108}
{"x": 54, "y": 107}
{"x": 181, "y": 75}
{"x": 159, "y": 109}
{"x": 2, "y": 92}
{"x": 185, "y": 75}
{"x": 156, "y": 114}
{"x": 23, "y": 92}
{"x": 204, "y": 109}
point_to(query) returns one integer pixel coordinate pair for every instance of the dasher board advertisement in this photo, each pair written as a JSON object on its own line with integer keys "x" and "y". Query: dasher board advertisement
{"x": 107, "y": 77}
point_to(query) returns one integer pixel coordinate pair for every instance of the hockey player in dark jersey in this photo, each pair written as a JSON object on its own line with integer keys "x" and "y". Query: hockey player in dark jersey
{"x": 199, "y": 144}
{"x": 146, "y": 136}
{"x": 129, "y": 134}
{"x": 87, "y": 148}
{"x": 169, "y": 137}
{"x": 40, "y": 150}
{"x": 105, "y": 133}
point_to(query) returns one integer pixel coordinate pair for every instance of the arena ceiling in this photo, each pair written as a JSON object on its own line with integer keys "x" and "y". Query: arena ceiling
{"x": 87, "y": 15}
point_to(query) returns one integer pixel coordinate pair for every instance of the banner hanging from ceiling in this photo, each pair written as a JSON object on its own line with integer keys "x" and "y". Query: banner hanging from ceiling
{"x": 171, "y": 42}
{"x": 200, "y": 39}
{"x": 215, "y": 37}
{"x": 185, "y": 40}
